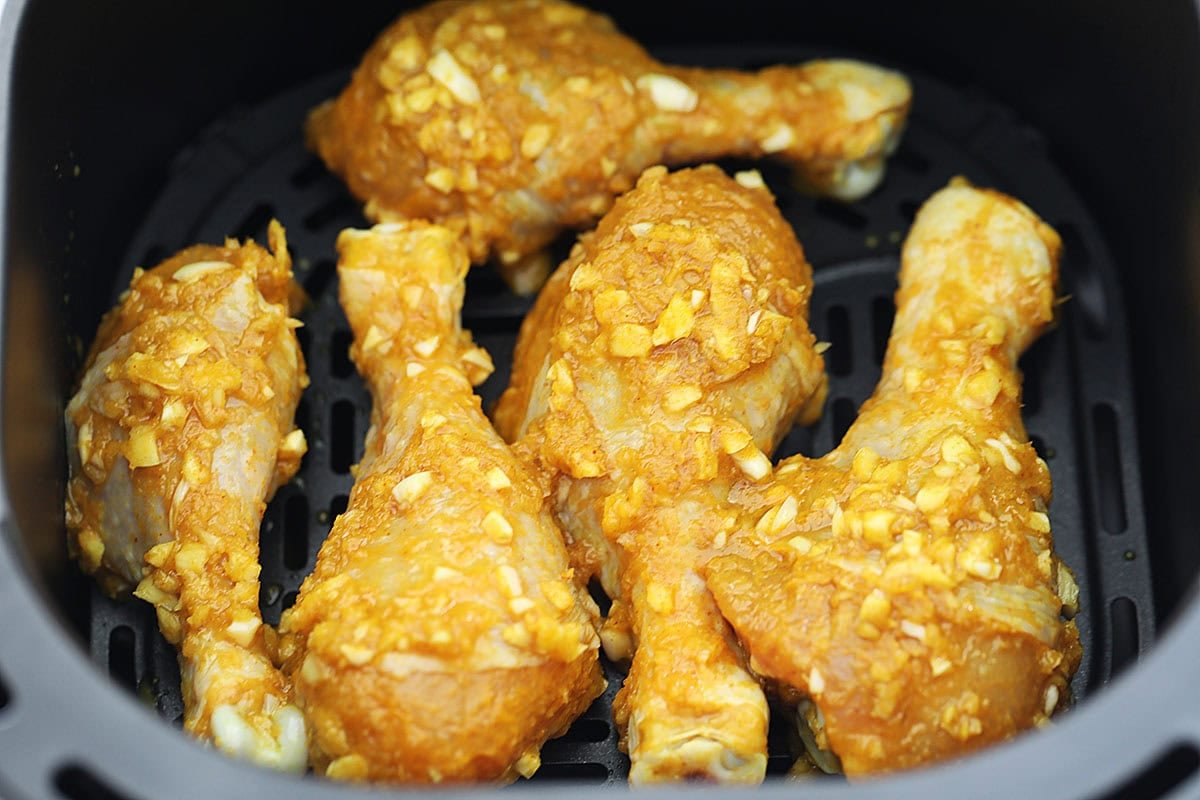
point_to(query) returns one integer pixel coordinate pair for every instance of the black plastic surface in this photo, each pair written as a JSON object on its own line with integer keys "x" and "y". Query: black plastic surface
{"x": 96, "y": 98}
{"x": 251, "y": 166}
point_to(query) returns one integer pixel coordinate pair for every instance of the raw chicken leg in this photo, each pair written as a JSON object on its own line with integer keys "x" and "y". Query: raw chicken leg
{"x": 180, "y": 432}
{"x": 442, "y": 636}
{"x": 508, "y": 121}
{"x": 906, "y": 584}
{"x": 659, "y": 364}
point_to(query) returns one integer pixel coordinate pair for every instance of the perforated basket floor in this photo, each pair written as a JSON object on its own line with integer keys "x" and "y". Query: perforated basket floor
{"x": 251, "y": 166}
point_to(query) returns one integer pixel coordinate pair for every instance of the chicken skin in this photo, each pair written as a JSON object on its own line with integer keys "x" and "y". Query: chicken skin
{"x": 906, "y": 584}
{"x": 658, "y": 365}
{"x": 442, "y": 635}
{"x": 180, "y": 432}
{"x": 508, "y": 121}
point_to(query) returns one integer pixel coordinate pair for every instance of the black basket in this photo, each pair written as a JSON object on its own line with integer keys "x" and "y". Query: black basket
{"x": 210, "y": 170}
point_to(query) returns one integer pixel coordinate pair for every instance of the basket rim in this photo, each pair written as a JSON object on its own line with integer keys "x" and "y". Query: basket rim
{"x": 63, "y": 714}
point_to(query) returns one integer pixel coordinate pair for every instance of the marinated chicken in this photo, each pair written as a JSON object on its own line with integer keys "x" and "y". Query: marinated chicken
{"x": 180, "y": 432}
{"x": 442, "y": 635}
{"x": 508, "y": 121}
{"x": 905, "y": 585}
{"x": 661, "y": 363}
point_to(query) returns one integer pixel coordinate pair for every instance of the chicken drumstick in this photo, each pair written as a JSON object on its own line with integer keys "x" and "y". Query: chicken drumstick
{"x": 180, "y": 432}
{"x": 508, "y": 121}
{"x": 663, "y": 358}
{"x": 906, "y": 583}
{"x": 441, "y": 636}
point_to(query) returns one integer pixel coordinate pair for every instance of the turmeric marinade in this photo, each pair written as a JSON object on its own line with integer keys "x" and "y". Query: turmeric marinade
{"x": 180, "y": 432}
{"x": 905, "y": 585}
{"x": 508, "y": 121}
{"x": 660, "y": 364}
{"x": 442, "y": 635}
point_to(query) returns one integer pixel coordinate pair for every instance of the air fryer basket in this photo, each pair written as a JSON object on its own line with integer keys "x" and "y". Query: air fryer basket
{"x": 146, "y": 155}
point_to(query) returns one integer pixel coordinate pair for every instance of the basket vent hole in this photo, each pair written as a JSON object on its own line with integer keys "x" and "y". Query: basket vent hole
{"x": 304, "y": 339}
{"x": 844, "y": 412}
{"x": 600, "y": 596}
{"x": 330, "y": 213}
{"x": 841, "y": 214}
{"x": 79, "y": 783}
{"x": 1161, "y": 777}
{"x": 1044, "y": 451}
{"x": 289, "y": 600}
{"x": 303, "y": 418}
{"x": 838, "y": 359}
{"x": 883, "y": 314}
{"x": 341, "y": 437}
{"x": 1086, "y": 287}
{"x": 122, "y": 656}
{"x": 575, "y": 773}
{"x": 1033, "y": 367}
{"x": 798, "y": 441}
{"x": 908, "y": 209}
{"x": 1109, "y": 485}
{"x": 338, "y": 506}
{"x": 295, "y": 532}
{"x": 588, "y": 730}
{"x": 1125, "y": 637}
{"x": 319, "y": 276}
{"x": 154, "y": 256}
{"x": 254, "y": 224}
{"x": 780, "y": 766}
{"x": 339, "y": 354}
{"x": 308, "y": 174}
{"x": 5, "y": 695}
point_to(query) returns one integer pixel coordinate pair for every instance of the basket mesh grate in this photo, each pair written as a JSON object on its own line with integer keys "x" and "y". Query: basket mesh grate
{"x": 252, "y": 166}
